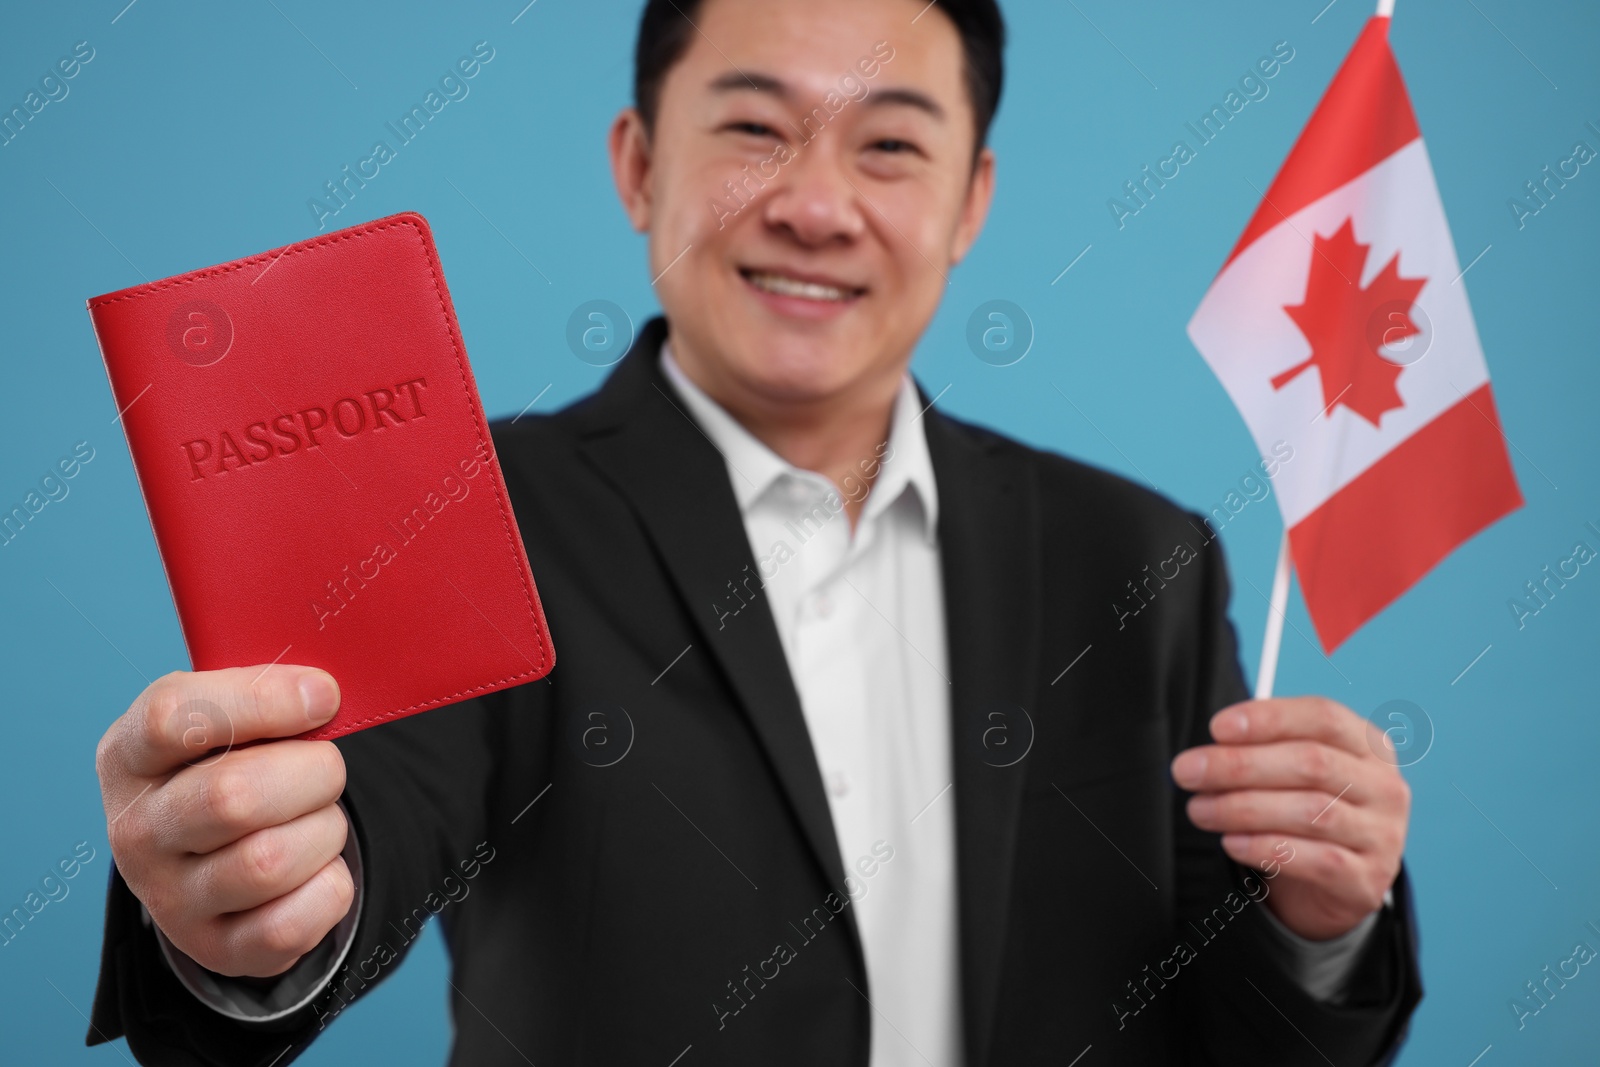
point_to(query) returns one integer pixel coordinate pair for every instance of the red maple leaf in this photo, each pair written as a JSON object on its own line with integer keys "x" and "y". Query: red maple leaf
{"x": 1347, "y": 325}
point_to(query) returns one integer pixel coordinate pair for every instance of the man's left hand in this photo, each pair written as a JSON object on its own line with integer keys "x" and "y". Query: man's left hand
{"x": 1311, "y": 772}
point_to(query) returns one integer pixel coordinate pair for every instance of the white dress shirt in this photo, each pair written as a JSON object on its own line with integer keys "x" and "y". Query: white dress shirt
{"x": 861, "y": 617}
{"x": 860, "y": 614}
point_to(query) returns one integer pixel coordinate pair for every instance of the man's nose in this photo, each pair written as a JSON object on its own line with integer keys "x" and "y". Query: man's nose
{"x": 814, "y": 197}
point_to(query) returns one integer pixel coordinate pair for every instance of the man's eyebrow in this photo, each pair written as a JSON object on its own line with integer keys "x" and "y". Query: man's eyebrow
{"x": 734, "y": 81}
{"x": 738, "y": 79}
{"x": 906, "y": 98}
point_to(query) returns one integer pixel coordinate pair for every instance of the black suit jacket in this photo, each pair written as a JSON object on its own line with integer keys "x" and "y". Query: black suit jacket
{"x": 642, "y": 905}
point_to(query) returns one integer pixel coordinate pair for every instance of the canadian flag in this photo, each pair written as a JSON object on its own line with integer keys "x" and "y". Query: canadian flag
{"x": 1340, "y": 326}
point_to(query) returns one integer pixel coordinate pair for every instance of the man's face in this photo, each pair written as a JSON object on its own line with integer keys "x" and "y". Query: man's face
{"x": 808, "y": 186}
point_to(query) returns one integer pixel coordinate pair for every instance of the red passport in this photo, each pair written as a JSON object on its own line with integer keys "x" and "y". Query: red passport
{"x": 319, "y": 475}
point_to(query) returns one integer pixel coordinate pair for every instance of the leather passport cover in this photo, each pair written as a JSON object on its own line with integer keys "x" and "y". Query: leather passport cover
{"x": 319, "y": 475}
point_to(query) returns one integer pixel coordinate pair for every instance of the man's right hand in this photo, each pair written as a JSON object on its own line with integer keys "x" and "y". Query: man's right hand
{"x": 233, "y": 848}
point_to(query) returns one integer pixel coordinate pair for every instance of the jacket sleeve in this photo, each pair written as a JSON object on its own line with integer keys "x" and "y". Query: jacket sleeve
{"x": 1247, "y": 1000}
{"x": 416, "y": 791}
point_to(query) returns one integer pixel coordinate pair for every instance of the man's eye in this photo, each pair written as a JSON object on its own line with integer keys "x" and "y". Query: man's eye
{"x": 890, "y": 144}
{"x": 754, "y": 129}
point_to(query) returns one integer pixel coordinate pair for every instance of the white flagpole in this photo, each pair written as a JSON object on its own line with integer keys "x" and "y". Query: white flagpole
{"x": 1272, "y": 641}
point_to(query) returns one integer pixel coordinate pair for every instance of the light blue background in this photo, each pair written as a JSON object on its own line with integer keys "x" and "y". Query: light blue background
{"x": 198, "y": 132}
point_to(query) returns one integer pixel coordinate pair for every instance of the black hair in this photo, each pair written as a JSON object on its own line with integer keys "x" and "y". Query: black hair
{"x": 666, "y": 29}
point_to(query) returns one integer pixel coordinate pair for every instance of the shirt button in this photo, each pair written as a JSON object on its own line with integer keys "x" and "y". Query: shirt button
{"x": 838, "y": 784}
{"x": 822, "y": 605}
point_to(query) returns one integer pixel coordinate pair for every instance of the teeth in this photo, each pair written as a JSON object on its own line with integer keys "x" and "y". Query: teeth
{"x": 777, "y": 283}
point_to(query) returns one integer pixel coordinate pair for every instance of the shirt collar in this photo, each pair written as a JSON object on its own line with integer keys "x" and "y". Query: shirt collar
{"x": 753, "y": 468}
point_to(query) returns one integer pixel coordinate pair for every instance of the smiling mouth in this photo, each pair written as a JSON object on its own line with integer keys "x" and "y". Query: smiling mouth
{"x": 784, "y": 285}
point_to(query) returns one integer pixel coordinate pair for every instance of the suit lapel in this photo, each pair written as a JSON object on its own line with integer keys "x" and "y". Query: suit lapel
{"x": 991, "y": 562}
{"x": 641, "y": 438}
{"x": 638, "y": 435}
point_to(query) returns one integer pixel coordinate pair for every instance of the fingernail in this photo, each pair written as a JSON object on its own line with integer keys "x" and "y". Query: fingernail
{"x": 1233, "y": 725}
{"x": 1201, "y": 810}
{"x": 1189, "y": 769}
{"x": 320, "y": 696}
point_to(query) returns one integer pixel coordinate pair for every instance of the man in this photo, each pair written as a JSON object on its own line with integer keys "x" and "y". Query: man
{"x": 844, "y": 761}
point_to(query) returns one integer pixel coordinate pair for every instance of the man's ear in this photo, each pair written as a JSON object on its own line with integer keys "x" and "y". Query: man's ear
{"x": 629, "y": 145}
{"x": 980, "y": 191}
